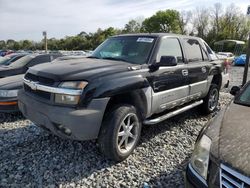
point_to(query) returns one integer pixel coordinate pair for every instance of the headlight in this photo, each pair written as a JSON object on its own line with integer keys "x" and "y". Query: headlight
{"x": 73, "y": 85}
{"x": 200, "y": 157}
{"x": 8, "y": 93}
{"x": 70, "y": 99}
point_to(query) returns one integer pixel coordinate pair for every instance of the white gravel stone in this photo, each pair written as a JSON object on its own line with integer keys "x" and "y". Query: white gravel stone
{"x": 33, "y": 158}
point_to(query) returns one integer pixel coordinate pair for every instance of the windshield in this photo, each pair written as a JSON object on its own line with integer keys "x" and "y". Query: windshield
{"x": 22, "y": 61}
{"x": 132, "y": 49}
{"x": 244, "y": 97}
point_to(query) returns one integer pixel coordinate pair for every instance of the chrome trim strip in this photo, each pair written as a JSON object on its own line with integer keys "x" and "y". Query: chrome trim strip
{"x": 198, "y": 83}
{"x": 171, "y": 114}
{"x": 183, "y": 100}
{"x": 229, "y": 180}
{"x": 234, "y": 173}
{"x": 171, "y": 90}
{"x": 37, "y": 86}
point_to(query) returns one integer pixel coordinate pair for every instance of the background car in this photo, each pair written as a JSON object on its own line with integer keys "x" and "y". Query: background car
{"x": 8, "y": 59}
{"x": 9, "y": 87}
{"x": 240, "y": 60}
{"x": 5, "y": 52}
{"x": 228, "y": 55}
{"x": 63, "y": 58}
{"x": 21, "y": 65}
{"x": 221, "y": 157}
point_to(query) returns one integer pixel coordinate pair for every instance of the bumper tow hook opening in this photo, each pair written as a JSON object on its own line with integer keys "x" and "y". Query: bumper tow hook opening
{"x": 63, "y": 129}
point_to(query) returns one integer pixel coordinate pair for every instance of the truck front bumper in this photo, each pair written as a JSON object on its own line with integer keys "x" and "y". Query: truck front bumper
{"x": 66, "y": 122}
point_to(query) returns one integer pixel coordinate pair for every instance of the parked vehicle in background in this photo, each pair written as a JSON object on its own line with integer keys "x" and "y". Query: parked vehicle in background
{"x": 221, "y": 155}
{"x": 9, "y": 87}
{"x": 5, "y": 52}
{"x": 8, "y": 59}
{"x": 2, "y": 53}
{"x": 230, "y": 56}
{"x": 73, "y": 53}
{"x": 229, "y": 46}
{"x": 21, "y": 65}
{"x": 89, "y": 52}
{"x": 128, "y": 81}
{"x": 240, "y": 60}
{"x": 63, "y": 58}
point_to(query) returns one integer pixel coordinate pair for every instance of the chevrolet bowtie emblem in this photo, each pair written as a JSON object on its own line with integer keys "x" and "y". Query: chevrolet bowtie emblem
{"x": 33, "y": 85}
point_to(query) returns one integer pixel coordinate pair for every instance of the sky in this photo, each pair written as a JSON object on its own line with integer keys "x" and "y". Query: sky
{"x": 26, "y": 19}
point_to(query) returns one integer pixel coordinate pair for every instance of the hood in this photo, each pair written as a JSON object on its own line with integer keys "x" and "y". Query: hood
{"x": 9, "y": 71}
{"x": 83, "y": 69}
{"x": 11, "y": 82}
{"x": 234, "y": 138}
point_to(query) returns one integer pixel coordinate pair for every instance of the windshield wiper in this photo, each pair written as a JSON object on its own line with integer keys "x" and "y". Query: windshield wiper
{"x": 116, "y": 59}
{"x": 93, "y": 57}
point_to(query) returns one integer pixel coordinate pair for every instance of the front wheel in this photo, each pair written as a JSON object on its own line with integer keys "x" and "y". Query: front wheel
{"x": 211, "y": 100}
{"x": 120, "y": 132}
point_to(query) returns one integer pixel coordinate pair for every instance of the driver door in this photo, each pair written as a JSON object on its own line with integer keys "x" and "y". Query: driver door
{"x": 170, "y": 84}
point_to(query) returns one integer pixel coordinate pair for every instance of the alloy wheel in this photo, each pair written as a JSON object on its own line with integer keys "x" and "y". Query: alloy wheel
{"x": 128, "y": 133}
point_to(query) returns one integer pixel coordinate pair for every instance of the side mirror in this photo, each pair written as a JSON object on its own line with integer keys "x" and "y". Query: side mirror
{"x": 234, "y": 90}
{"x": 167, "y": 61}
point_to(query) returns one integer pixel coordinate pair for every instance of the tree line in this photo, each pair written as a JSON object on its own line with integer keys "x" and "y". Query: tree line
{"x": 212, "y": 24}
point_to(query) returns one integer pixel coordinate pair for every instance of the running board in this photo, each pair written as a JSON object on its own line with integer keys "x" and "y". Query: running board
{"x": 171, "y": 114}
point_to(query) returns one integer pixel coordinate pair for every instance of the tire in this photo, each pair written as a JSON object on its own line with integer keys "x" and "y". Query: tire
{"x": 117, "y": 139}
{"x": 211, "y": 100}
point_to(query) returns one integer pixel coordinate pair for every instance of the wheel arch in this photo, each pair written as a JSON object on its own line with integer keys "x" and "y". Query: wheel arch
{"x": 217, "y": 79}
{"x": 136, "y": 98}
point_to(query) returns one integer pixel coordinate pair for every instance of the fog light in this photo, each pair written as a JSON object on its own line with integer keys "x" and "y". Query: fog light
{"x": 66, "y": 99}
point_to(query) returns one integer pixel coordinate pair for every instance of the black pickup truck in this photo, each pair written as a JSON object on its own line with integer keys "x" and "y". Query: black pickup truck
{"x": 129, "y": 80}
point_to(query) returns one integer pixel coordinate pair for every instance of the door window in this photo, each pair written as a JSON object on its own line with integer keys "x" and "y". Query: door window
{"x": 170, "y": 47}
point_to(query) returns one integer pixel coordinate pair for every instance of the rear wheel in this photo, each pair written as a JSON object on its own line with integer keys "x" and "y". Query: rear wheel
{"x": 211, "y": 100}
{"x": 120, "y": 132}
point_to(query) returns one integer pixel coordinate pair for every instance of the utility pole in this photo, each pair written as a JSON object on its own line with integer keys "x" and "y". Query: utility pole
{"x": 247, "y": 55}
{"x": 45, "y": 41}
{"x": 247, "y": 62}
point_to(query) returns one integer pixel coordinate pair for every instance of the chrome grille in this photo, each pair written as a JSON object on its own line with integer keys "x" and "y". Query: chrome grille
{"x": 230, "y": 178}
{"x": 40, "y": 79}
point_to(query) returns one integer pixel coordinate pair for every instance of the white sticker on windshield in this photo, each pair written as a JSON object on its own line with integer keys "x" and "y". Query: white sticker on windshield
{"x": 144, "y": 39}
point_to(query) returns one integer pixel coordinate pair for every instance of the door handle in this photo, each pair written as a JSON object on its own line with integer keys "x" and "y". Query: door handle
{"x": 184, "y": 72}
{"x": 203, "y": 70}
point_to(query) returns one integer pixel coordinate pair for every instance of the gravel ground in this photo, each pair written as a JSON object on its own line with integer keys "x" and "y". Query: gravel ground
{"x": 30, "y": 157}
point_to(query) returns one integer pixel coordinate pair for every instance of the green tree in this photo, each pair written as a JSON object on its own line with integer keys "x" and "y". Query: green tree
{"x": 98, "y": 37}
{"x": 10, "y": 43}
{"x": 184, "y": 20}
{"x": 132, "y": 26}
{"x": 27, "y": 45}
{"x": 2, "y": 44}
{"x": 201, "y": 20}
{"x": 163, "y": 21}
{"x": 16, "y": 46}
